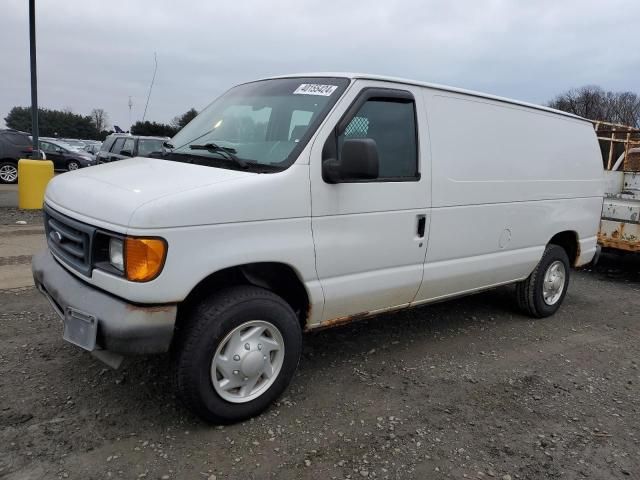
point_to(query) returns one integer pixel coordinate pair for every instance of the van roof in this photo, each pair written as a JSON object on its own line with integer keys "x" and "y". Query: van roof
{"x": 435, "y": 86}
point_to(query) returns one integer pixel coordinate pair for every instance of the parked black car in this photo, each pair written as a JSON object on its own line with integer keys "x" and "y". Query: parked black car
{"x": 64, "y": 157}
{"x": 14, "y": 145}
{"x": 118, "y": 146}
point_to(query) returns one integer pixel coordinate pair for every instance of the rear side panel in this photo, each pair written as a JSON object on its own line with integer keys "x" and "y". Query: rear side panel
{"x": 506, "y": 179}
{"x": 488, "y": 152}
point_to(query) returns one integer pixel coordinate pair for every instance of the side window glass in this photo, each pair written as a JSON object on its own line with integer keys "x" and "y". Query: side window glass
{"x": 128, "y": 145}
{"x": 358, "y": 128}
{"x": 105, "y": 145}
{"x": 17, "y": 139}
{"x": 117, "y": 145}
{"x": 391, "y": 123}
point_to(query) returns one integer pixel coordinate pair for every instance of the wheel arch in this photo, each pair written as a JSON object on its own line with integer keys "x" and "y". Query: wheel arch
{"x": 280, "y": 278}
{"x": 569, "y": 241}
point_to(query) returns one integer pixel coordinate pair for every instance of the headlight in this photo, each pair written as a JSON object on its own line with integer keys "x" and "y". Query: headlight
{"x": 116, "y": 255}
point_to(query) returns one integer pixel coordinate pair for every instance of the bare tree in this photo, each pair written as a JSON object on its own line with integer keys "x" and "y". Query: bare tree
{"x": 627, "y": 108}
{"x": 100, "y": 119}
{"x": 597, "y": 104}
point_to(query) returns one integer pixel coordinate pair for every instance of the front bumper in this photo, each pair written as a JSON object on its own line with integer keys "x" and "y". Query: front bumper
{"x": 123, "y": 327}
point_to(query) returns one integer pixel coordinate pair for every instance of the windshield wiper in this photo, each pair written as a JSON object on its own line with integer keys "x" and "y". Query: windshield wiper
{"x": 185, "y": 157}
{"x": 224, "y": 151}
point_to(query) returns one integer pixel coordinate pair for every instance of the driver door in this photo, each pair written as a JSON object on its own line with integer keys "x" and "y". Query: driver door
{"x": 370, "y": 234}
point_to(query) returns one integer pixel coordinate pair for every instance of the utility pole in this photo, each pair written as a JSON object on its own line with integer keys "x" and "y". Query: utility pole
{"x": 34, "y": 80}
{"x": 155, "y": 69}
{"x": 130, "y": 105}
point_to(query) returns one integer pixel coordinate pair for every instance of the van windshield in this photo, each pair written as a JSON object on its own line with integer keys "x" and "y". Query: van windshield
{"x": 265, "y": 124}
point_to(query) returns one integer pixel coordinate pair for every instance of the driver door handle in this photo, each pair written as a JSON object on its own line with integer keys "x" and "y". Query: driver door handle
{"x": 422, "y": 221}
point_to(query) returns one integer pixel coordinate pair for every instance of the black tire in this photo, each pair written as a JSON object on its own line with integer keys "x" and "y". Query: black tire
{"x": 72, "y": 163}
{"x": 5, "y": 165}
{"x": 200, "y": 335}
{"x": 529, "y": 293}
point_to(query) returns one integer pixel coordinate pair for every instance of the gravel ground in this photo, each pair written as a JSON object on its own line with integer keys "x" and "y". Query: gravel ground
{"x": 463, "y": 389}
{"x": 11, "y": 215}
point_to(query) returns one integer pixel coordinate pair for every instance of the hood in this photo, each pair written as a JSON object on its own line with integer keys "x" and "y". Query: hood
{"x": 112, "y": 192}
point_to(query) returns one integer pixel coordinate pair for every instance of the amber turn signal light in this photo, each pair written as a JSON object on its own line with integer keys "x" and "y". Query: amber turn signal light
{"x": 144, "y": 258}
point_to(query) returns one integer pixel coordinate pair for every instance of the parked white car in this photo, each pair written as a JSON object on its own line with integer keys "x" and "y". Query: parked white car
{"x": 303, "y": 202}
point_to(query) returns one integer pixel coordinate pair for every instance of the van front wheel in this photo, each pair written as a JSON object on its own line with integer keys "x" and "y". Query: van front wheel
{"x": 541, "y": 294}
{"x": 236, "y": 353}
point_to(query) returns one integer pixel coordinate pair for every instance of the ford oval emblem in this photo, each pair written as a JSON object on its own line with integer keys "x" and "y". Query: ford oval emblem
{"x": 57, "y": 237}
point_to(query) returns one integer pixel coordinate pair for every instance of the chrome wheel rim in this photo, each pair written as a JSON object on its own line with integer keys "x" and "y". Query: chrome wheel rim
{"x": 8, "y": 173}
{"x": 247, "y": 361}
{"x": 554, "y": 280}
{"x": 73, "y": 166}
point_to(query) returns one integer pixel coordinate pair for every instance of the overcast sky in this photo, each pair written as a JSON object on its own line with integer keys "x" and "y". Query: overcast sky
{"x": 97, "y": 53}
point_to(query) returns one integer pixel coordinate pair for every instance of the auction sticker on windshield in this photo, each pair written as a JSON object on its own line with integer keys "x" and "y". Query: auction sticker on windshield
{"x": 315, "y": 89}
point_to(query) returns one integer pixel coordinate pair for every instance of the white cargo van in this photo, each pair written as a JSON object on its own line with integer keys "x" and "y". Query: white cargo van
{"x": 307, "y": 201}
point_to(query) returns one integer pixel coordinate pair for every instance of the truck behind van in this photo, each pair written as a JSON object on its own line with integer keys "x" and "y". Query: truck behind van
{"x": 307, "y": 201}
{"x": 620, "y": 224}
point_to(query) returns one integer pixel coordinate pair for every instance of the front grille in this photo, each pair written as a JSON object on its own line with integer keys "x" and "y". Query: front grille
{"x": 69, "y": 240}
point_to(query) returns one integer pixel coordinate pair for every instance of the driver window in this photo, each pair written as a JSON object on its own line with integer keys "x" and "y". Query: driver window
{"x": 391, "y": 123}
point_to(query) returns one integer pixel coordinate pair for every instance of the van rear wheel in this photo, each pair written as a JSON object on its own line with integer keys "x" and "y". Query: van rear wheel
{"x": 236, "y": 353}
{"x": 542, "y": 293}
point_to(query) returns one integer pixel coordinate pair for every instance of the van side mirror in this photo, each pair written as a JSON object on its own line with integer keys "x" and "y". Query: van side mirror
{"x": 126, "y": 153}
{"x": 358, "y": 161}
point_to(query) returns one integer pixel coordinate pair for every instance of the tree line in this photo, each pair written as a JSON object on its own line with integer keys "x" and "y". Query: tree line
{"x": 95, "y": 126}
{"x": 163, "y": 129}
{"x": 60, "y": 123}
{"x": 595, "y": 103}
